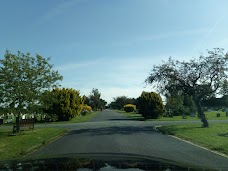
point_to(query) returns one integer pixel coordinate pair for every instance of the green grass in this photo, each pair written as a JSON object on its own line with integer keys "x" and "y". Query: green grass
{"x": 132, "y": 115}
{"x": 79, "y": 119}
{"x": 25, "y": 142}
{"x": 209, "y": 115}
{"x": 214, "y": 137}
{"x": 85, "y": 118}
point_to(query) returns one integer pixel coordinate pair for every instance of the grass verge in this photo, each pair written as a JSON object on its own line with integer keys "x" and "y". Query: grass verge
{"x": 132, "y": 115}
{"x": 25, "y": 142}
{"x": 78, "y": 119}
{"x": 209, "y": 115}
{"x": 214, "y": 137}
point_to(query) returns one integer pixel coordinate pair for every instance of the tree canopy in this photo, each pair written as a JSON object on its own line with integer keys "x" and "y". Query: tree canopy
{"x": 94, "y": 100}
{"x": 23, "y": 78}
{"x": 64, "y": 103}
{"x": 150, "y": 105}
{"x": 119, "y": 102}
{"x": 200, "y": 78}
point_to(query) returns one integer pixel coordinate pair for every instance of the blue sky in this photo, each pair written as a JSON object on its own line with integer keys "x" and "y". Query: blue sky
{"x": 112, "y": 44}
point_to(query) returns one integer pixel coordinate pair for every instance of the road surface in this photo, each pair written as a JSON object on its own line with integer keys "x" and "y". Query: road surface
{"x": 111, "y": 132}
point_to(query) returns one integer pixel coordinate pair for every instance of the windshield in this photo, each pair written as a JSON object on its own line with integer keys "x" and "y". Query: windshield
{"x": 144, "y": 78}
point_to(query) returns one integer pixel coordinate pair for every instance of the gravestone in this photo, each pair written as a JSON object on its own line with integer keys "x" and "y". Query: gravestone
{"x": 23, "y": 116}
{"x": 12, "y": 116}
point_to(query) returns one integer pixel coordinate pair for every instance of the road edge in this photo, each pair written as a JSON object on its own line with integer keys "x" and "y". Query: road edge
{"x": 189, "y": 142}
{"x": 41, "y": 145}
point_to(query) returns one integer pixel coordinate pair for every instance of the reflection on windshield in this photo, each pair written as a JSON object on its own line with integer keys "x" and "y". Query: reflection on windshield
{"x": 94, "y": 164}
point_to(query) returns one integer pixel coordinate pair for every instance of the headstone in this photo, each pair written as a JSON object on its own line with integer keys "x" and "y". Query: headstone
{"x": 218, "y": 114}
{"x": 9, "y": 120}
{"x": 23, "y": 116}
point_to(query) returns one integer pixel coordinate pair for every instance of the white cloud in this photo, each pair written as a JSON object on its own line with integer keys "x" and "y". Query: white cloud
{"x": 67, "y": 67}
{"x": 161, "y": 36}
{"x": 59, "y": 9}
{"x": 203, "y": 41}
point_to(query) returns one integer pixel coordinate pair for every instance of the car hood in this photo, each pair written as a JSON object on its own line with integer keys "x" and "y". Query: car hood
{"x": 93, "y": 161}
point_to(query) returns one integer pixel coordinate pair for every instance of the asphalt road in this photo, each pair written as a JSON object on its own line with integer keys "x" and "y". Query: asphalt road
{"x": 110, "y": 132}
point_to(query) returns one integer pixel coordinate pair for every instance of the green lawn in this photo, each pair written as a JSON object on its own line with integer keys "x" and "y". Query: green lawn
{"x": 26, "y": 141}
{"x": 79, "y": 119}
{"x": 210, "y": 116}
{"x": 215, "y": 137}
{"x": 131, "y": 115}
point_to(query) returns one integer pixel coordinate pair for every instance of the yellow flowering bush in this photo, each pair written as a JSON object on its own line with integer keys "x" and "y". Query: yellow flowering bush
{"x": 129, "y": 108}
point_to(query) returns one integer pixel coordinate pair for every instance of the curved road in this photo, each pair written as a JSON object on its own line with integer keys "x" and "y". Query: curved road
{"x": 111, "y": 132}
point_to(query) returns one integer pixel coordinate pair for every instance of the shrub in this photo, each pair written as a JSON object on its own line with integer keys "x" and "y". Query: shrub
{"x": 88, "y": 108}
{"x": 129, "y": 108}
{"x": 51, "y": 117}
{"x": 150, "y": 105}
{"x": 65, "y": 103}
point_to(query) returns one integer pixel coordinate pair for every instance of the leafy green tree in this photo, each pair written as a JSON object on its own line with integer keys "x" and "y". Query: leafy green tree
{"x": 23, "y": 78}
{"x": 189, "y": 104}
{"x": 216, "y": 102}
{"x": 174, "y": 104}
{"x": 103, "y": 103}
{"x": 86, "y": 100}
{"x": 200, "y": 78}
{"x": 179, "y": 104}
{"x": 95, "y": 99}
{"x": 119, "y": 102}
{"x": 150, "y": 105}
{"x": 65, "y": 103}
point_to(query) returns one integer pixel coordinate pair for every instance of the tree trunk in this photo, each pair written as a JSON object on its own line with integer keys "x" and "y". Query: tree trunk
{"x": 201, "y": 115}
{"x": 18, "y": 122}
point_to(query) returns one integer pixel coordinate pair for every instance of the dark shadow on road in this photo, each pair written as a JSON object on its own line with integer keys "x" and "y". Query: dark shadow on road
{"x": 123, "y": 119}
{"x": 127, "y": 130}
{"x": 128, "y": 119}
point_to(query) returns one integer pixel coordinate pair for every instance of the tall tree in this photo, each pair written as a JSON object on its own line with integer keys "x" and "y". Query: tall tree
{"x": 119, "y": 102}
{"x": 23, "y": 78}
{"x": 95, "y": 97}
{"x": 103, "y": 103}
{"x": 200, "y": 78}
{"x": 179, "y": 104}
